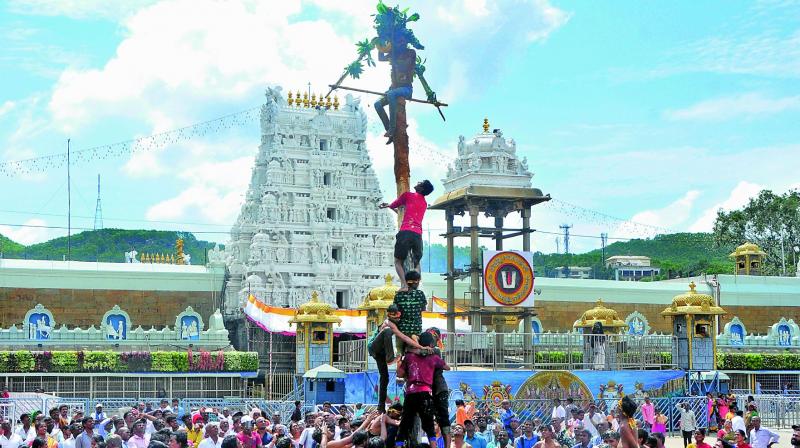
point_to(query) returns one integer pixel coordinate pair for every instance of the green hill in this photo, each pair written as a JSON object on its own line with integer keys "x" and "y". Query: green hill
{"x": 107, "y": 245}
{"x": 677, "y": 254}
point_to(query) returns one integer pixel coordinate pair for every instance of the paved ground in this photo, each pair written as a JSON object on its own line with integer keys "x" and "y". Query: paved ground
{"x": 677, "y": 442}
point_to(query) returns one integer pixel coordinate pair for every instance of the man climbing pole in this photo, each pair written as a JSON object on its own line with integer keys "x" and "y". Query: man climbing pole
{"x": 397, "y": 44}
{"x": 403, "y": 62}
{"x": 408, "y": 242}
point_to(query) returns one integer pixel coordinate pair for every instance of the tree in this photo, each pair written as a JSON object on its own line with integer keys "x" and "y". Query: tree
{"x": 768, "y": 220}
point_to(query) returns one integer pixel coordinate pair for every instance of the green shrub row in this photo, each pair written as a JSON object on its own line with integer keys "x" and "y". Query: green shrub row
{"x": 25, "y": 361}
{"x": 758, "y": 361}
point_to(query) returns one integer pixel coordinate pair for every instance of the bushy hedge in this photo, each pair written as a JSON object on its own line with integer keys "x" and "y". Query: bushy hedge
{"x": 758, "y": 361}
{"x": 25, "y": 361}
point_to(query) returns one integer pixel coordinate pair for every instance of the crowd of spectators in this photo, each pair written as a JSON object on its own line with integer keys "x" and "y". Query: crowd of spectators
{"x": 170, "y": 425}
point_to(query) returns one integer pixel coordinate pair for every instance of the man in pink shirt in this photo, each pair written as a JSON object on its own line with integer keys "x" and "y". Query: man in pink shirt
{"x": 419, "y": 370}
{"x": 648, "y": 413}
{"x": 409, "y": 238}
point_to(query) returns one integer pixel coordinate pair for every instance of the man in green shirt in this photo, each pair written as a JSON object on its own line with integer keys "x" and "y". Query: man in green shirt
{"x": 411, "y": 303}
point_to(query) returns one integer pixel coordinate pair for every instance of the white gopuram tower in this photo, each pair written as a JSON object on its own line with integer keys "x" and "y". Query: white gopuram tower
{"x": 310, "y": 220}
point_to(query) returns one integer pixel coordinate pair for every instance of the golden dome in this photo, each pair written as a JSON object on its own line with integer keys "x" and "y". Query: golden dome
{"x": 606, "y": 316}
{"x": 747, "y": 249}
{"x": 692, "y": 302}
{"x": 315, "y": 311}
{"x": 380, "y": 297}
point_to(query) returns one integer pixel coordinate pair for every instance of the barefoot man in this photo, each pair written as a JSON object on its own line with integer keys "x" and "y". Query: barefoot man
{"x": 408, "y": 241}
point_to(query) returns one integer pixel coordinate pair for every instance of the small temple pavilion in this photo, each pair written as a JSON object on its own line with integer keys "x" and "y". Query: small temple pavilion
{"x": 375, "y": 304}
{"x": 694, "y": 325}
{"x": 314, "y": 339}
{"x": 749, "y": 259}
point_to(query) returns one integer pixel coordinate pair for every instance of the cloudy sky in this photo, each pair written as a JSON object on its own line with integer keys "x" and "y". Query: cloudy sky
{"x": 657, "y": 114}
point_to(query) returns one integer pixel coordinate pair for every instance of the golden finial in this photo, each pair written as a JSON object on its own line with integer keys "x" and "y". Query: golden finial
{"x": 179, "y": 250}
{"x": 328, "y": 102}
{"x": 336, "y": 102}
{"x": 692, "y": 286}
{"x": 305, "y": 99}
{"x": 314, "y": 296}
{"x": 290, "y": 100}
{"x": 486, "y": 125}
{"x": 297, "y": 102}
{"x": 313, "y": 100}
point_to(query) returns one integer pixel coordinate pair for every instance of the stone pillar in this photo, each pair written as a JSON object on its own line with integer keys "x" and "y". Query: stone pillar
{"x": 451, "y": 286}
{"x": 527, "y": 329}
{"x": 475, "y": 284}
{"x": 475, "y": 268}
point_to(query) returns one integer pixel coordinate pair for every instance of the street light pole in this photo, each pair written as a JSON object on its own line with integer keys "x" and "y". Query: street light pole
{"x": 795, "y": 250}
{"x": 783, "y": 256}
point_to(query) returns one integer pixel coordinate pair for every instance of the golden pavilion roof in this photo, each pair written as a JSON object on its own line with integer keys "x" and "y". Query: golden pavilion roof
{"x": 600, "y": 313}
{"x": 380, "y": 297}
{"x": 747, "y": 249}
{"x": 315, "y": 311}
{"x": 692, "y": 302}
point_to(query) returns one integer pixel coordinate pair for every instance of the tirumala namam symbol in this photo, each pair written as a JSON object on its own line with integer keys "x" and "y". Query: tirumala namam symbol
{"x": 509, "y": 278}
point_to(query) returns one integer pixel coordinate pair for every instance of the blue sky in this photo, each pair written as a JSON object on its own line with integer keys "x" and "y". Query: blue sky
{"x": 658, "y": 113}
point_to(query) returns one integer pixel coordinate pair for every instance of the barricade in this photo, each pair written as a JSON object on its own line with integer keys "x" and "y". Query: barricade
{"x": 776, "y": 411}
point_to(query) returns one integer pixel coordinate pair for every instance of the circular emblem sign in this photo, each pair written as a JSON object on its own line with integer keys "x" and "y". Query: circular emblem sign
{"x": 508, "y": 278}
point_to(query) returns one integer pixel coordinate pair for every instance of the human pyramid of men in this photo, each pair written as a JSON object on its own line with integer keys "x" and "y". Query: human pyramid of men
{"x": 421, "y": 366}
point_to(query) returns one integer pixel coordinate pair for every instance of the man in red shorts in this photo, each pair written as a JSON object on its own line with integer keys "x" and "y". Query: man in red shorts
{"x": 408, "y": 241}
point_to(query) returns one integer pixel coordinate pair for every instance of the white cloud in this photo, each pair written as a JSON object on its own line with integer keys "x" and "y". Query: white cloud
{"x": 670, "y": 216}
{"x": 218, "y": 50}
{"x": 738, "y": 198}
{"x": 144, "y": 164}
{"x": 748, "y": 105}
{"x": 768, "y": 53}
{"x": 7, "y": 107}
{"x": 27, "y": 235}
{"x": 214, "y": 193}
{"x": 483, "y": 17}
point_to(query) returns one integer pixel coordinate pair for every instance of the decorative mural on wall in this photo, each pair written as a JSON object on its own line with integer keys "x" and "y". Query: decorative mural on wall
{"x": 116, "y": 328}
{"x": 547, "y": 384}
{"x": 637, "y": 324}
{"x": 784, "y": 333}
{"x": 495, "y": 393}
{"x": 39, "y": 323}
{"x": 737, "y": 332}
{"x": 553, "y": 384}
{"x": 536, "y": 329}
{"x": 611, "y": 392}
{"x": 189, "y": 324}
{"x": 115, "y": 324}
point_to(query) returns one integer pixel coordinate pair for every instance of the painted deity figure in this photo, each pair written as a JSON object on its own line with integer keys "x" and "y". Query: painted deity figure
{"x": 42, "y": 329}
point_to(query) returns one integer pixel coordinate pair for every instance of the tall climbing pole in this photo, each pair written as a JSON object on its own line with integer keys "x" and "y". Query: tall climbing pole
{"x": 396, "y": 44}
